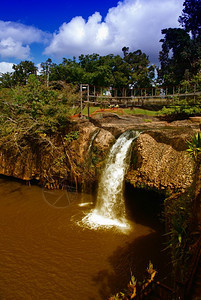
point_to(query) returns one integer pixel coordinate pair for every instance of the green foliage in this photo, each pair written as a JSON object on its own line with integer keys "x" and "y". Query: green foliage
{"x": 133, "y": 69}
{"x": 140, "y": 111}
{"x": 73, "y": 135}
{"x": 34, "y": 108}
{"x": 97, "y": 155}
{"x": 22, "y": 71}
{"x": 181, "y": 49}
{"x": 147, "y": 120}
{"x": 194, "y": 146}
{"x": 7, "y": 80}
{"x": 182, "y": 108}
{"x": 180, "y": 55}
{"x": 190, "y": 18}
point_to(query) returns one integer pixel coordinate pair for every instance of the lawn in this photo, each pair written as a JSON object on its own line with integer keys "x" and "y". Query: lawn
{"x": 120, "y": 111}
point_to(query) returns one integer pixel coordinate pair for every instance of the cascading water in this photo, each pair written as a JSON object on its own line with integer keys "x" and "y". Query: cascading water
{"x": 110, "y": 206}
{"x": 88, "y": 156}
{"x": 96, "y": 132}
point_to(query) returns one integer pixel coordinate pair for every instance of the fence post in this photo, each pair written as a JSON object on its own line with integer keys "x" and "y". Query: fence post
{"x": 81, "y": 100}
{"x": 194, "y": 92}
{"x": 88, "y": 98}
{"x": 94, "y": 93}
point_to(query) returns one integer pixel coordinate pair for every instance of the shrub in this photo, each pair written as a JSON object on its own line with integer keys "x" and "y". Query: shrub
{"x": 194, "y": 146}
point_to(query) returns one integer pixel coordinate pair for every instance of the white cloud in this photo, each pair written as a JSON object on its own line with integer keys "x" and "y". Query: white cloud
{"x": 15, "y": 39}
{"x": 11, "y": 48}
{"x": 133, "y": 23}
{"x": 39, "y": 69}
{"x": 6, "y": 67}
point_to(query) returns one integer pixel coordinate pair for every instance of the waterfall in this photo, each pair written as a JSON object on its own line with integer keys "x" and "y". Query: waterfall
{"x": 110, "y": 206}
{"x": 95, "y": 133}
{"x": 89, "y": 151}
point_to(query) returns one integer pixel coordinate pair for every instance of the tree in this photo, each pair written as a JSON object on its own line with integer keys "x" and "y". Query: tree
{"x": 180, "y": 56}
{"x": 35, "y": 108}
{"x": 176, "y": 56}
{"x": 132, "y": 69}
{"x": 46, "y": 69}
{"x": 181, "y": 49}
{"x": 89, "y": 62}
{"x": 191, "y": 17}
{"x": 137, "y": 63}
{"x": 22, "y": 71}
{"x": 125, "y": 51}
{"x": 6, "y": 80}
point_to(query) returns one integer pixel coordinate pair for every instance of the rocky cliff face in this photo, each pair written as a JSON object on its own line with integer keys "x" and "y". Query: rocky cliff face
{"x": 51, "y": 160}
{"x": 160, "y": 161}
{"x": 159, "y": 157}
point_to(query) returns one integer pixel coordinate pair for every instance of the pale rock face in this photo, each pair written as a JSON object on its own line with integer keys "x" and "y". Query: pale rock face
{"x": 160, "y": 165}
{"x": 104, "y": 139}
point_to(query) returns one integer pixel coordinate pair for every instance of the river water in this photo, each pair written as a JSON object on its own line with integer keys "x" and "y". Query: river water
{"x": 47, "y": 253}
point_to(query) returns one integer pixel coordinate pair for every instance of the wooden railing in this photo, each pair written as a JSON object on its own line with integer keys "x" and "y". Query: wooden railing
{"x": 137, "y": 96}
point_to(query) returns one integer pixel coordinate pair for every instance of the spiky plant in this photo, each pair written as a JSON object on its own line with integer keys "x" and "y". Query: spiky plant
{"x": 194, "y": 146}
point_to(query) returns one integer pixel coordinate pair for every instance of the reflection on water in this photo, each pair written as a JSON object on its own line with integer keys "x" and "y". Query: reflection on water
{"x": 44, "y": 254}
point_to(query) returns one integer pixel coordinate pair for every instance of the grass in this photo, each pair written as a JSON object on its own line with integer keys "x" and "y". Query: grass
{"x": 140, "y": 111}
{"x": 125, "y": 111}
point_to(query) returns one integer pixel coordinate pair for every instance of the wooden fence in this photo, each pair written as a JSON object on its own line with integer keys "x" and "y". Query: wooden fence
{"x": 129, "y": 97}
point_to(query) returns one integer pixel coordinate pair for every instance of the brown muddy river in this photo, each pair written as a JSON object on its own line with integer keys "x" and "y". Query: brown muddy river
{"x": 45, "y": 254}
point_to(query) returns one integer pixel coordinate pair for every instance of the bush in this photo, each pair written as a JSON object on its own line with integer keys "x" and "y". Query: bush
{"x": 34, "y": 108}
{"x": 181, "y": 109}
{"x": 194, "y": 146}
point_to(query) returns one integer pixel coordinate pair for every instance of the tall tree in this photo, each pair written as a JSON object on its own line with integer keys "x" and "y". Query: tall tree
{"x": 132, "y": 69}
{"x": 191, "y": 17}
{"x": 137, "y": 64}
{"x": 181, "y": 49}
{"x": 175, "y": 56}
{"x": 22, "y": 71}
{"x": 6, "y": 80}
{"x": 46, "y": 69}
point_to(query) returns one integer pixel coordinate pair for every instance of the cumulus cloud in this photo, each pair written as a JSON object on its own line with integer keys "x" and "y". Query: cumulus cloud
{"x": 133, "y": 23}
{"x": 6, "y": 67}
{"x": 11, "y": 48}
{"x": 15, "y": 39}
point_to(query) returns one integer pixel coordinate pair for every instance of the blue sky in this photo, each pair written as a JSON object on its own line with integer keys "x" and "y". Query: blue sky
{"x": 38, "y": 29}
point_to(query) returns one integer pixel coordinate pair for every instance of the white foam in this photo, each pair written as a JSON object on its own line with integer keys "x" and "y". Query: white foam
{"x": 96, "y": 221}
{"x": 85, "y": 204}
